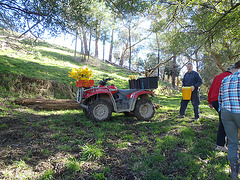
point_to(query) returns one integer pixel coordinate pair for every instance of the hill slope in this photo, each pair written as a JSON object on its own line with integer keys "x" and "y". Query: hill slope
{"x": 43, "y": 71}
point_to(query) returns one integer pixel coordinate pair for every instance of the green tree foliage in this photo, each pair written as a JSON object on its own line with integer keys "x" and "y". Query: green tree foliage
{"x": 169, "y": 69}
{"x": 150, "y": 62}
{"x": 32, "y": 16}
{"x": 126, "y": 7}
{"x": 75, "y": 13}
{"x": 212, "y": 25}
{"x": 127, "y": 40}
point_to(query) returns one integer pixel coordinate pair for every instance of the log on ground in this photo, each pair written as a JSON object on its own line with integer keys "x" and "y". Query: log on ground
{"x": 54, "y": 104}
{"x": 49, "y": 104}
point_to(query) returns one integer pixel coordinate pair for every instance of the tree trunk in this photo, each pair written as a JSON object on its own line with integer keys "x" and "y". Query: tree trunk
{"x": 178, "y": 82}
{"x": 174, "y": 72}
{"x": 158, "y": 53}
{"x": 104, "y": 41}
{"x": 75, "y": 52}
{"x": 197, "y": 67}
{"x": 163, "y": 77}
{"x": 86, "y": 52}
{"x": 111, "y": 44}
{"x": 97, "y": 39}
{"x": 196, "y": 57}
{"x": 81, "y": 52}
{"x": 90, "y": 39}
{"x": 123, "y": 55}
{"x": 218, "y": 59}
{"x": 121, "y": 59}
{"x": 130, "y": 48}
{"x": 138, "y": 64}
{"x": 96, "y": 44}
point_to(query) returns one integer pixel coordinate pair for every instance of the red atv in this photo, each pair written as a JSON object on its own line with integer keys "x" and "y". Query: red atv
{"x": 99, "y": 102}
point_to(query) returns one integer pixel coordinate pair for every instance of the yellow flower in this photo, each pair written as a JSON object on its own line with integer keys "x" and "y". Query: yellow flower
{"x": 132, "y": 77}
{"x": 81, "y": 73}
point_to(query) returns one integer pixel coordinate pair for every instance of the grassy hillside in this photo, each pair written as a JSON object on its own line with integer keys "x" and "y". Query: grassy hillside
{"x": 52, "y": 63}
{"x": 66, "y": 145}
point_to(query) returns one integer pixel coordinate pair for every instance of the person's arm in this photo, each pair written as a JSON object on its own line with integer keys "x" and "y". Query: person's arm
{"x": 199, "y": 80}
{"x": 209, "y": 96}
{"x": 220, "y": 97}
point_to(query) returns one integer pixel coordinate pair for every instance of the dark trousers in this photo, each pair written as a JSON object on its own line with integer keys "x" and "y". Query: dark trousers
{"x": 221, "y": 131}
{"x": 195, "y": 99}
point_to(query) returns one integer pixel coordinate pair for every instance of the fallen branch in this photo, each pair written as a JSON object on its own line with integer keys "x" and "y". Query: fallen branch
{"x": 153, "y": 69}
{"x": 53, "y": 104}
{"x": 48, "y": 104}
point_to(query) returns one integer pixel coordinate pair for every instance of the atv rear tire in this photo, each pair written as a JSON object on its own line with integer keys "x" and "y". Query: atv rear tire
{"x": 144, "y": 109}
{"x": 100, "y": 110}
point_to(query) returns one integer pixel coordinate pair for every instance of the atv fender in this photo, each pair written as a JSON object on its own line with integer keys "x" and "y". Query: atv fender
{"x": 87, "y": 95}
{"x": 135, "y": 96}
{"x": 141, "y": 92}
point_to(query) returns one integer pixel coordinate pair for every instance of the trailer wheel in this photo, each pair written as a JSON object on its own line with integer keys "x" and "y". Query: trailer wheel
{"x": 100, "y": 110}
{"x": 144, "y": 109}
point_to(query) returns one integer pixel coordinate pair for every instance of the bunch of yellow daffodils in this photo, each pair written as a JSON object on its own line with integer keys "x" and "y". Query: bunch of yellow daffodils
{"x": 81, "y": 74}
{"x": 132, "y": 77}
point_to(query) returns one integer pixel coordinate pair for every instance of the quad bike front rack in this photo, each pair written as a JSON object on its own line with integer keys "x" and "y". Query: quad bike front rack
{"x": 80, "y": 96}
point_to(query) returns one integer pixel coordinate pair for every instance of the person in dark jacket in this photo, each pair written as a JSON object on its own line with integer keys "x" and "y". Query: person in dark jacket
{"x": 193, "y": 79}
{"x": 213, "y": 103}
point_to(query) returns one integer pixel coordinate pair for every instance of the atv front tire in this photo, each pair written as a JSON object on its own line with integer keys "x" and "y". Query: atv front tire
{"x": 144, "y": 109}
{"x": 100, "y": 110}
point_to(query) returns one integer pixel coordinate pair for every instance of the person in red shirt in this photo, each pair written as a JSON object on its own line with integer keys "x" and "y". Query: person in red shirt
{"x": 213, "y": 103}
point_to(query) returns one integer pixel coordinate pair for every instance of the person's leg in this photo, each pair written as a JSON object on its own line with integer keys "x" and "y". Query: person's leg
{"x": 231, "y": 123}
{"x": 215, "y": 105}
{"x": 221, "y": 134}
{"x": 231, "y": 129}
{"x": 236, "y": 118}
{"x": 183, "y": 107}
{"x": 195, "y": 102}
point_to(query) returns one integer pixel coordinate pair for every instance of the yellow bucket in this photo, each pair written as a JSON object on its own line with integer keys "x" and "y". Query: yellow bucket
{"x": 186, "y": 93}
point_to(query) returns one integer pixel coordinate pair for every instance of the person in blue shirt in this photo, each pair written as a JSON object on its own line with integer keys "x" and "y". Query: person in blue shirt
{"x": 193, "y": 79}
{"x": 229, "y": 106}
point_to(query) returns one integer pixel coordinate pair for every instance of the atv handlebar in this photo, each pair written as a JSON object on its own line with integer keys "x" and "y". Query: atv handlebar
{"x": 109, "y": 79}
{"x": 104, "y": 81}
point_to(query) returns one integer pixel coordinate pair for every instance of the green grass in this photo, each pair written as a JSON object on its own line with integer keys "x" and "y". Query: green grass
{"x": 54, "y": 65}
{"x": 64, "y": 144}
{"x": 73, "y": 165}
{"x": 43, "y": 71}
{"x": 91, "y": 153}
{"x": 3, "y": 126}
{"x": 165, "y": 147}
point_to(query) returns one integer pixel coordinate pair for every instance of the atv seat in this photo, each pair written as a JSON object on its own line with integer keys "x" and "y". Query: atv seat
{"x": 127, "y": 91}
